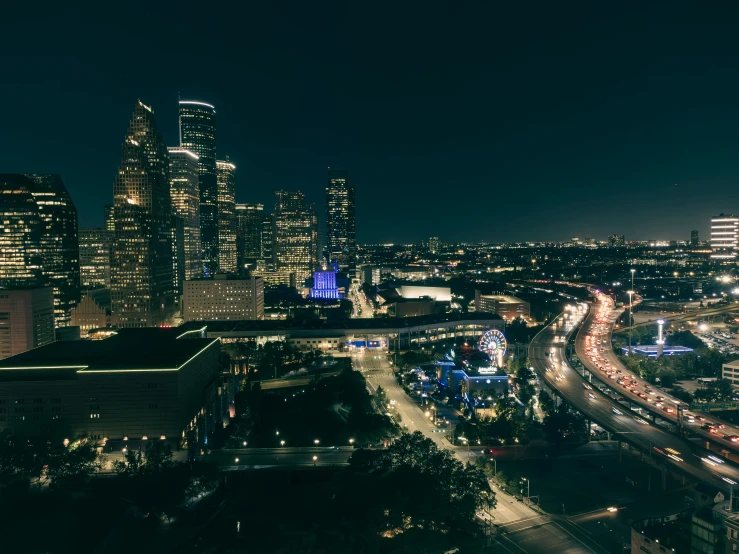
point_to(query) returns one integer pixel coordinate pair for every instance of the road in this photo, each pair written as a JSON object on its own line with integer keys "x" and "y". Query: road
{"x": 547, "y": 355}
{"x": 598, "y": 325}
{"x": 378, "y": 372}
{"x": 692, "y": 315}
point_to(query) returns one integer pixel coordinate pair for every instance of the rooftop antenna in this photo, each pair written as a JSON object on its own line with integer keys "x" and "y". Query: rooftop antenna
{"x": 179, "y": 118}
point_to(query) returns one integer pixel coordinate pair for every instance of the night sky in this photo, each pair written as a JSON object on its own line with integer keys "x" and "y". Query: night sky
{"x": 467, "y": 121}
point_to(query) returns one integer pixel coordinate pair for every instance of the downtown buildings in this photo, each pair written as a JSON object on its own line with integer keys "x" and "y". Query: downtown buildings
{"x": 341, "y": 237}
{"x": 227, "y": 256}
{"x": 185, "y": 197}
{"x": 249, "y": 224}
{"x": 39, "y": 245}
{"x": 295, "y": 238}
{"x": 142, "y": 283}
{"x": 198, "y": 135}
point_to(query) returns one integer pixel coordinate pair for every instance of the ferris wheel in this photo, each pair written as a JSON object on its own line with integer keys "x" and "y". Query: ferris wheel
{"x": 493, "y": 343}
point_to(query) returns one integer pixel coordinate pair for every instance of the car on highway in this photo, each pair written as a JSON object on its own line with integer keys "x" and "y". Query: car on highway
{"x": 617, "y": 411}
{"x": 591, "y": 395}
{"x": 585, "y": 385}
{"x": 732, "y": 438}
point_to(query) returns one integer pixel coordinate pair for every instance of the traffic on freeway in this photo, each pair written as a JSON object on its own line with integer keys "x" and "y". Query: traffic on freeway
{"x": 547, "y": 355}
{"x": 593, "y": 348}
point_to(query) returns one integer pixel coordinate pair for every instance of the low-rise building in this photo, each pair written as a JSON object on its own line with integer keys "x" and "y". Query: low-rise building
{"x": 507, "y": 307}
{"x": 223, "y": 298}
{"x": 730, "y": 372}
{"x": 26, "y": 319}
{"x": 89, "y": 315}
{"x": 135, "y": 386}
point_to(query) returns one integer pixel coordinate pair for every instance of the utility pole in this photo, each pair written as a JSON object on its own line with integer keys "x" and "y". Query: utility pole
{"x": 631, "y": 307}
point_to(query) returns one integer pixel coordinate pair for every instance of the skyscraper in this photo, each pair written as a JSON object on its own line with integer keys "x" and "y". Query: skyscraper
{"x": 20, "y": 242}
{"x": 95, "y": 252}
{"x": 267, "y": 252}
{"x": 724, "y": 237}
{"x": 109, "y": 217}
{"x": 61, "y": 249}
{"x": 198, "y": 135}
{"x": 694, "y": 238}
{"x": 185, "y": 196}
{"x": 295, "y": 235}
{"x": 434, "y": 245}
{"x": 226, "y": 216}
{"x": 249, "y": 219}
{"x": 341, "y": 237}
{"x": 58, "y": 246}
{"x": 141, "y": 278}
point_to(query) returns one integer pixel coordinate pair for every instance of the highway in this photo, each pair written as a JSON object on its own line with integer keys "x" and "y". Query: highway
{"x": 691, "y": 315}
{"x": 547, "y": 355}
{"x": 601, "y": 360}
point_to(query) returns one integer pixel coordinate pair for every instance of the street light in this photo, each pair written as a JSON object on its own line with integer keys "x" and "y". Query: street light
{"x": 316, "y": 441}
{"x": 351, "y": 441}
{"x": 244, "y": 443}
{"x": 464, "y": 439}
{"x": 631, "y": 318}
{"x": 282, "y": 443}
{"x": 236, "y": 460}
{"x": 528, "y": 487}
{"x": 315, "y": 458}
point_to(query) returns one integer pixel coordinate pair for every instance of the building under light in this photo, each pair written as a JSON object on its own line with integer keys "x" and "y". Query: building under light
{"x": 324, "y": 285}
{"x": 223, "y": 298}
{"x": 56, "y": 254}
{"x": 185, "y": 193}
{"x": 249, "y": 220}
{"x": 724, "y": 237}
{"x": 295, "y": 240}
{"x": 227, "y": 255}
{"x": 141, "y": 280}
{"x": 507, "y": 307}
{"x": 198, "y": 135}
{"x": 341, "y": 237}
{"x": 95, "y": 249}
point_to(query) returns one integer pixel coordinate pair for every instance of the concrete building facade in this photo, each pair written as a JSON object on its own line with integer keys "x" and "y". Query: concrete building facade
{"x": 223, "y": 298}
{"x": 26, "y": 319}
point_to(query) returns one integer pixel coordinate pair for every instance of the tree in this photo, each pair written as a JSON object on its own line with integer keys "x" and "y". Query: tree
{"x": 74, "y": 463}
{"x": 130, "y": 465}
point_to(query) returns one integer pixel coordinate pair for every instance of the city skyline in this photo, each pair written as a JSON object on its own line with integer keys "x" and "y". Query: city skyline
{"x": 572, "y": 128}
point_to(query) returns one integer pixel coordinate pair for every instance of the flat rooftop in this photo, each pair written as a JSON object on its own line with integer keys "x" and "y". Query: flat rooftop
{"x": 129, "y": 350}
{"x": 504, "y": 298}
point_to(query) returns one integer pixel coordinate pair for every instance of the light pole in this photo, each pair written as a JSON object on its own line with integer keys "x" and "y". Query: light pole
{"x": 528, "y": 487}
{"x": 282, "y": 444}
{"x": 464, "y": 439}
{"x": 315, "y": 458}
{"x": 631, "y": 303}
{"x": 631, "y": 306}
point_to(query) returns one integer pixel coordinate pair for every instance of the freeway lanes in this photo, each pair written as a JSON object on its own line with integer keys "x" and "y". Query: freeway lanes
{"x": 547, "y": 355}
{"x": 596, "y": 336}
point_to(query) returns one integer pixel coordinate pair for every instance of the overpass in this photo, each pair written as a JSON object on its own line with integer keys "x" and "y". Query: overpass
{"x": 547, "y": 355}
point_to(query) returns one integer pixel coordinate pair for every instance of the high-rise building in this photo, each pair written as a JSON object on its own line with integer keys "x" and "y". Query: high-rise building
{"x": 58, "y": 242}
{"x": 21, "y": 260}
{"x": 198, "y": 135}
{"x": 434, "y": 245}
{"x": 26, "y": 319}
{"x": 185, "y": 195}
{"x": 95, "y": 252}
{"x": 694, "y": 238}
{"x": 341, "y": 237}
{"x": 109, "y": 211}
{"x": 141, "y": 281}
{"x": 295, "y": 235}
{"x": 249, "y": 218}
{"x": 724, "y": 237}
{"x": 226, "y": 216}
{"x": 267, "y": 254}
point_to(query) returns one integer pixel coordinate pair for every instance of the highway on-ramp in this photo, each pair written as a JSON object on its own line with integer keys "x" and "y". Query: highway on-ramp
{"x": 547, "y": 355}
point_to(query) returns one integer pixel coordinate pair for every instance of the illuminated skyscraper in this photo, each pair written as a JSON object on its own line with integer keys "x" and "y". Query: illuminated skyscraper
{"x": 198, "y": 135}
{"x": 724, "y": 237}
{"x": 341, "y": 237}
{"x": 694, "y": 238}
{"x": 249, "y": 218}
{"x": 142, "y": 285}
{"x": 267, "y": 251}
{"x": 22, "y": 228}
{"x": 185, "y": 196}
{"x": 58, "y": 246}
{"x": 61, "y": 253}
{"x": 295, "y": 235}
{"x": 226, "y": 216}
{"x": 95, "y": 252}
{"x": 109, "y": 217}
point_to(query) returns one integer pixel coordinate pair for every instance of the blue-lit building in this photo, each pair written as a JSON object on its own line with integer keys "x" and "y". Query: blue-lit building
{"x": 324, "y": 285}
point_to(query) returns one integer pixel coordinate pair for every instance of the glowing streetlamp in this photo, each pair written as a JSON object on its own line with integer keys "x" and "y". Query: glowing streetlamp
{"x": 660, "y": 339}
